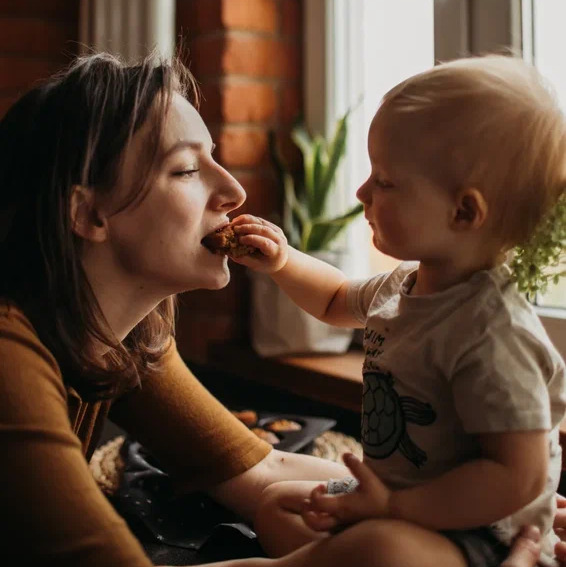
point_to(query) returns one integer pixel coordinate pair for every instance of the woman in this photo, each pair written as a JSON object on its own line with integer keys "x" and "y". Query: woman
{"x": 108, "y": 187}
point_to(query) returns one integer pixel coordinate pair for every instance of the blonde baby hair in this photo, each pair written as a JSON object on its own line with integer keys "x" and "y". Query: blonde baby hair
{"x": 489, "y": 122}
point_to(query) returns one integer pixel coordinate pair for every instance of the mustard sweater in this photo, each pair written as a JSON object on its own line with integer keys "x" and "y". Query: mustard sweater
{"x": 51, "y": 510}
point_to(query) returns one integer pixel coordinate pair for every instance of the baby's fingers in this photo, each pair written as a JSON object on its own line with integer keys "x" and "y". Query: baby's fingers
{"x": 319, "y": 522}
{"x": 335, "y": 505}
{"x": 360, "y": 470}
{"x": 264, "y": 230}
{"x": 246, "y": 219}
{"x": 243, "y": 220}
{"x": 265, "y": 246}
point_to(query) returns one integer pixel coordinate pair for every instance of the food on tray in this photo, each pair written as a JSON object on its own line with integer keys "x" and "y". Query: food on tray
{"x": 266, "y": 435}
{"x": 247, "y": 417}
{"x": 283, "y": 425}
{"x": 225, "y": 241}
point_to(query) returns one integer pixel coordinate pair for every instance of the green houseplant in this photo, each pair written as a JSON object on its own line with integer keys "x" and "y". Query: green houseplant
{"x": 278, "y": 326}
{"x": 306, "y": 221}
{"x": 540, "y": 262}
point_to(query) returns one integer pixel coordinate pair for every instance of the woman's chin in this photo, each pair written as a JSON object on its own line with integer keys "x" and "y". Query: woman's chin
{"x": 219, "y": 280}
{"x": 220, "y": 283}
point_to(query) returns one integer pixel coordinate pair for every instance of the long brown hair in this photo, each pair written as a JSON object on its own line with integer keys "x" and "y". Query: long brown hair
{"x": 73, "y": 130}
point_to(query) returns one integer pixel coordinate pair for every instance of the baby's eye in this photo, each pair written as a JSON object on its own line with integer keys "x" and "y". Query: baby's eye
{"x": 383, "y": 183}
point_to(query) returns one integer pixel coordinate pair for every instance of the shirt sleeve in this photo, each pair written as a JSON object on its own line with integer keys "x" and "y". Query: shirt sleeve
{"x": 361, "y": 294}
{"x": 51, "y": 510}
{"x": 501, "y": 383}
{"x": 190, "y": 433}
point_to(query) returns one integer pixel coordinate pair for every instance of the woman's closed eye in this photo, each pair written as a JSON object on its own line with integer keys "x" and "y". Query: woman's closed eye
{"x": 189, "y": 172}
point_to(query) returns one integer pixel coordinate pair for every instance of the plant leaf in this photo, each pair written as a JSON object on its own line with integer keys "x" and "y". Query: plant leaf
{"x": 291, "y": 220}
{"x": 535, "y": 262}
{"x": 320, "y": 164}
{"x": 336, "y": 150}
{"x": 324, "y": 231}
{"x": 304, "y": 142}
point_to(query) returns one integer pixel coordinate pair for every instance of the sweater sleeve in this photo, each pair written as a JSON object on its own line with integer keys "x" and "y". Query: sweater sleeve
{"x": 190, "y": 433}
{"x": 51, "y": 510}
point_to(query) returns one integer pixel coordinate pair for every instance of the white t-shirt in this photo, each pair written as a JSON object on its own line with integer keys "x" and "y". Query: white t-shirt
{"x": 440, "y": 368}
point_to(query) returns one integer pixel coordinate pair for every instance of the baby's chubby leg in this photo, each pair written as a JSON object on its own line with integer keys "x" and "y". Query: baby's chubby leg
{"x": 370, "y": 543}
{"x": 278, "y": 522}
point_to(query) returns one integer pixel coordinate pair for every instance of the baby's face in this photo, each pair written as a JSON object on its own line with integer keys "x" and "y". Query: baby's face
{"x": 408, "y": 213}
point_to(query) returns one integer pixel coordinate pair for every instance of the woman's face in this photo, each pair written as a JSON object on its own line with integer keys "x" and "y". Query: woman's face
{"x": 156, "y": 243}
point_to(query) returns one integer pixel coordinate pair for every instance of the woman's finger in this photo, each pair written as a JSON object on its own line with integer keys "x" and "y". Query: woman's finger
{"x": 560, "y": 551}
{"x": 525, "y": 550}
{"x": 560, "y": 518}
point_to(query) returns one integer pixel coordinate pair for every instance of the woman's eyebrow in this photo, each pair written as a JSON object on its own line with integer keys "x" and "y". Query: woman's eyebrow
{"x": 182, "y": 144}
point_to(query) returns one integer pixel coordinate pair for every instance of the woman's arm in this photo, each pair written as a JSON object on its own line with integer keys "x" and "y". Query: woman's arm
{"x": 242, "y": 492}
{"x": 51, "y": 510}
{"x": 203, "y": 446}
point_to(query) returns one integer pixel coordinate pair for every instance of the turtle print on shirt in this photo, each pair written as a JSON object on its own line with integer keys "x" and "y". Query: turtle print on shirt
{"x": 384, "y": 419}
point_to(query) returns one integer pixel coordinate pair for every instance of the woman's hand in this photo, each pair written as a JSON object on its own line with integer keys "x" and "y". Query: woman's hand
{"x": 560, "y": 528}
{"x": 370, "y": 499}
{"x": 525, "y": 550}
{"x": 267, "y": 237}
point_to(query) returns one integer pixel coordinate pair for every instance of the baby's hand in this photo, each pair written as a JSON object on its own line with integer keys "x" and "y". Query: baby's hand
{"x": 370, "y": 499}
{"x": 267, "y": 237}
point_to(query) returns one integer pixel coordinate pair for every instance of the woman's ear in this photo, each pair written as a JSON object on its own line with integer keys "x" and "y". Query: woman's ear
{"x": 471, "y": 210}
{"x": 86, "y": 221}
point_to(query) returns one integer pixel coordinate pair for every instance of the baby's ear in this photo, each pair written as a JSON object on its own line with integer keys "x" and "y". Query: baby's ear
{"x": 86, "y": 221}
{"x": 470, "y": 211}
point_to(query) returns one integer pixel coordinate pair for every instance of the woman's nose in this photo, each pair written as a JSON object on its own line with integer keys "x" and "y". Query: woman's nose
{"x": 228, "y": 194}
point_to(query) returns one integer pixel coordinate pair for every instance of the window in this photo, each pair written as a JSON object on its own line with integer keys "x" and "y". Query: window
{"x": 370, "y": 45}
{"x": 545, "y": 45}
{"x": 375, "y": 46}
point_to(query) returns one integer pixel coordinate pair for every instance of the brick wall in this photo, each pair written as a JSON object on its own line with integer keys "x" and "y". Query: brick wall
{"x": 247, "y": 56}
{"x": 37, "y": 37}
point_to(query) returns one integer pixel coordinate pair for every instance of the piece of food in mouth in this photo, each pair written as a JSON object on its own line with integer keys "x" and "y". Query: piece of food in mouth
{"x": 225, "y": 241}
{"x": 247, "y": 417}
{"x": 266, "y": 435}
{"x": 283, "y": 425}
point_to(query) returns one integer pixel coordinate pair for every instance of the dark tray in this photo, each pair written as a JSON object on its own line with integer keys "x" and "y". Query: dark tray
{"x": 295, "y": 441}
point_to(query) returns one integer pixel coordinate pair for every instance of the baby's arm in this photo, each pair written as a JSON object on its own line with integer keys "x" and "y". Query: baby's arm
{"x": 510, "y": 474}
{"x": 315, "y": 286}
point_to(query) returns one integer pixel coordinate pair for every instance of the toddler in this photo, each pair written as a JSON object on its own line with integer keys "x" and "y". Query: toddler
{"x": 463, "y": 391}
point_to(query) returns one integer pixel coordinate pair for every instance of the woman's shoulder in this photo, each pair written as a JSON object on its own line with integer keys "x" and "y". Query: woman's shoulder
{"x": 21, "y": 350}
